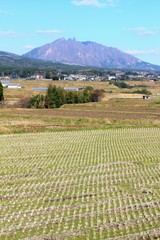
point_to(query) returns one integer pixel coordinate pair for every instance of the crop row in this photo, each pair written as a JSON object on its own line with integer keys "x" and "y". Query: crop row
{"x": 101, "y": 184}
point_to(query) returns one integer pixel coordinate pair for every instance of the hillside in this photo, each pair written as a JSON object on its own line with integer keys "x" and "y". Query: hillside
{"x": 11, "y": 60}
{"x": 88, "y": 54}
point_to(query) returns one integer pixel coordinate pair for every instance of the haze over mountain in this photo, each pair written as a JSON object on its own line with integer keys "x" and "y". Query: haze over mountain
{"x": 88, "y": 53}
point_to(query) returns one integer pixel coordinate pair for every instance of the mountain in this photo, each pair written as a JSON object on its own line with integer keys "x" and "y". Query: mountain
{"x": 88, "y": 53}
{"x": 13, "y": 60}
{"x": 8, "y": 59}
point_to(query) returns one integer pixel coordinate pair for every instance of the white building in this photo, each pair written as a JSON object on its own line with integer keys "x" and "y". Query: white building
{"x": 111, "y": 77}
{"x": 13, "y": 86}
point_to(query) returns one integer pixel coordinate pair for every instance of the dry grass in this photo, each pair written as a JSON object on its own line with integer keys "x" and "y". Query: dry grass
{"x": 106, "y": 114}
{"x": 117, "y": 109}
{"x": 13, "y": 95}
{"x": 121, "y": 95}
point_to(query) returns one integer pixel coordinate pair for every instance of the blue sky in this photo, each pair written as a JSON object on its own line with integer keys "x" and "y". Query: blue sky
{"x": 132, "y": 26}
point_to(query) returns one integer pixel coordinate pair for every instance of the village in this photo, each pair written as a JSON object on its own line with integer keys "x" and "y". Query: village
{"x": 115, "y": 75}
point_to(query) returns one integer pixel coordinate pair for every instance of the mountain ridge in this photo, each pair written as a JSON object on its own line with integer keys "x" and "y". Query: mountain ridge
{"x": 8, "y": 59}
{"x": 88, "y": 53}
{"x": 11, "y": 60}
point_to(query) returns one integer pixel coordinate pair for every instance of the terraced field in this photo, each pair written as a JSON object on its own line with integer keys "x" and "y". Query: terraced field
{"x": 93, "y": 184}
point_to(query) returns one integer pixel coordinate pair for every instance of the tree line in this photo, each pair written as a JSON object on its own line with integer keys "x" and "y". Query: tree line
{"x": 56, "y": 73}
{"x": 57, "y": 96}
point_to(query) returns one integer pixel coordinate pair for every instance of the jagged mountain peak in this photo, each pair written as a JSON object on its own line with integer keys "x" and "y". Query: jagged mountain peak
{"x": 88, "y": 53}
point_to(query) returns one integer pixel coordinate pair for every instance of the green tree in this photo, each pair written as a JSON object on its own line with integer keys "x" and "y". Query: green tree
{"x": 57, "y": 96}
{"x": 70, "y": 97}
{"x": 76, "y": 98}
{"x": 53, "y": 97}
{"x": 47, "y": 75}
{"x": 55, "y": 78}
{"x": 1, "y": 93}
{"x": 87, "y": 95}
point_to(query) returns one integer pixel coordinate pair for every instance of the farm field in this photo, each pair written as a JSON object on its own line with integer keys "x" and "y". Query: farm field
{"x": 118, "y": 108}
{"x": 113, "y": 113}
{"x": 92, "y": 184}
{"x": 14, "y": 95}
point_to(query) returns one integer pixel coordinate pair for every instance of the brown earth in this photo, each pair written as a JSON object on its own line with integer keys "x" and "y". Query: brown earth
{"x": 115, "y": 108}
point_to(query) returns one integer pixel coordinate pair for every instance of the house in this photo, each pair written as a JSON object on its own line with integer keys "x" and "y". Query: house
{"x": 111, "y": 78}
{"x": 75, "y": 77}
{"x": 37, "y": 76}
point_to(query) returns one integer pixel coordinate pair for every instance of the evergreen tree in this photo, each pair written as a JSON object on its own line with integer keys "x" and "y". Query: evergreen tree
{"x": 1, "y": 92}
{"x": 86, "y": 95}
{"x": 76, "y": 98}
{"x": 53, "y": 97}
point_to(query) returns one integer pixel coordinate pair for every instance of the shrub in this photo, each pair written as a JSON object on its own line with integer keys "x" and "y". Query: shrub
{"x": 97, "y": 95}
{"x": 120, "y": 84}
{"x": 143, "y": 91}
{"x": 37, "y": 101}
{"x": 158, "y": 102}
{"x": 24, "y": 103}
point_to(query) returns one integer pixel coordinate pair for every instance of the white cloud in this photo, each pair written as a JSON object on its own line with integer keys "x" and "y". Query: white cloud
{"x": 8, "y": 34}
{"x": 94, "y": 3}
{"x": 49, "y": 32}
{"x": 29, "y": 47}
{"x": 144, "y": 52}
{"x": 13, "y": 34}
{"x": 143, "y": 31}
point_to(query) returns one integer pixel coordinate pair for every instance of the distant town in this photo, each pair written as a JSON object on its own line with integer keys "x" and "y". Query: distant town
{"x": 115, "y": 75}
